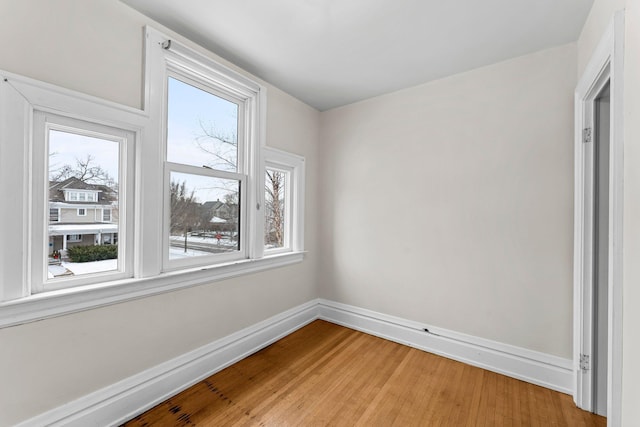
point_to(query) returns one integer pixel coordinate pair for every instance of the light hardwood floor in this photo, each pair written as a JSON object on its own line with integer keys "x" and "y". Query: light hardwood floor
{"x": 328, "y": 375}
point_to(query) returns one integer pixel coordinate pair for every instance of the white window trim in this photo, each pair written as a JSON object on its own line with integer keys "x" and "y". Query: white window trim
{"x": 74, "y": 240}
{"x": 205, "y": 260}
{"x": 168, "y": 58}
{"x": 19, "y": 97}
{"x": 294, "y": 214}
{"x": 104, "y": 211}
{"x": 43, "y": 123}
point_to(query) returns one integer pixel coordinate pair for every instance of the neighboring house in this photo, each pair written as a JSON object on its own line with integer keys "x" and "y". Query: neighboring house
{"x": 219, "y": 216}
{"x": 81, "y": 214}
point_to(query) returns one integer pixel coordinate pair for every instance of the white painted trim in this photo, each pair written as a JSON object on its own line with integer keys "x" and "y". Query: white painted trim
{"x": 295, "y": 165}
{"x": 125, "y": 399}
{"x": 128, "y": 398}
{"x": 55, "y": 99}
{"x": 608, "y": 58}
{"x": 531, "y": 366}
{"x": 56, "y": 303}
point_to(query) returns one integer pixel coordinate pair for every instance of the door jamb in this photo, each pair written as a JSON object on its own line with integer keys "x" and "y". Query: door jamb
{"x": 606, "y": 64}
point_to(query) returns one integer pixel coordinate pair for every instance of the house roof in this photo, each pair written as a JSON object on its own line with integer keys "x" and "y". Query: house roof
{"x": 213, "y": 205}
{"x": 61, "y": 229}
{"x": 56, "y": 192}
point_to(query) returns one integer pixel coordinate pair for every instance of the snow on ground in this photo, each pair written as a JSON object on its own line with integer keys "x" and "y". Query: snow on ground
{"x": 91, "y": 267}
{"x": 225, "y": 241}
{"x": 78, "y": 268}
{"x": 180, "y": 253}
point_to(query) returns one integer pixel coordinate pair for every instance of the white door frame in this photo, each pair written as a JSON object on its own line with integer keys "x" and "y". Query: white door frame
{"x": 605, "y": 65}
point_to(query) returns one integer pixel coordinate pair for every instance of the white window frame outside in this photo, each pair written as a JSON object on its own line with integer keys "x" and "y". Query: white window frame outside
{"x": 74, "y": 238}
{"x": 82, "y": 211}
{"x": 105, "y": 211}
{"x": 21, "y": 96}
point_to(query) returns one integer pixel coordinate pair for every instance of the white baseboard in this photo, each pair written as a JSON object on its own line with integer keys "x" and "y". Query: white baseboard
{"x": 126, "y": 399}
{"x": 531, "y": 366}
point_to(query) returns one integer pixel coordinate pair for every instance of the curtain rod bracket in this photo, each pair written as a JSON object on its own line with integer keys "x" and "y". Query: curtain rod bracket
{"x": 166, "y": 44}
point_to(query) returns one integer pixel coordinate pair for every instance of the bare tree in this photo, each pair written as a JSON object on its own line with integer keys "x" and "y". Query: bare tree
{"x": 274, "y": 201}
{"x": 223, "y": 148}
{"x": 184, "y": 209}
{"x": 85, "y": 170}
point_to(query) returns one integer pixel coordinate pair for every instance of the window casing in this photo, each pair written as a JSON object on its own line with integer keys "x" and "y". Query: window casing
{"x": 55, "y": 135}
{"x": 143, "y": 265}
{"x": 213, "y": 172}
{"x": 284, "y": 201}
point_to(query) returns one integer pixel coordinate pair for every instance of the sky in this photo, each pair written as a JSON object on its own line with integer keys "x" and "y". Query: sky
{"x": 189, "y": 108}
{"x": 206, "y": 188}
{"x": 66, "y": 147}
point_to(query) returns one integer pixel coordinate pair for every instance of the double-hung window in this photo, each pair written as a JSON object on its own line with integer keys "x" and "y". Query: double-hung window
{"x": 206, "y": 174}
{"x": 210, "y": 121}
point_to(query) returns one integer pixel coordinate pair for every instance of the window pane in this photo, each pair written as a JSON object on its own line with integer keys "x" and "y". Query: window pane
{"x": 205, "y": 214}
{"x": 202, "y": 128}
{"x": 79, "y": 166}
{"x": 275, "y": 212}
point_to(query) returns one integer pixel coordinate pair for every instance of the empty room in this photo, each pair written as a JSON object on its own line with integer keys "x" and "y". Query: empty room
{"x": 319, "y": 212}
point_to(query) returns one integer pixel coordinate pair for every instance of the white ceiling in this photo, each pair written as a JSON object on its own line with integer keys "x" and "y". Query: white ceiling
{"x": 330, "y": 53}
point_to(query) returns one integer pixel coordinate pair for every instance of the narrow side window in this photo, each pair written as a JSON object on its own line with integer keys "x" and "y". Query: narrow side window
{"x": 283, "y": 202}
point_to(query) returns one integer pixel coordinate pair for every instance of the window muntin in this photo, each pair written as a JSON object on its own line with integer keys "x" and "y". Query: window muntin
{"x": 106, "y": 215}
{"x": 54, "y": 215}
{"x": 82, "y": 212}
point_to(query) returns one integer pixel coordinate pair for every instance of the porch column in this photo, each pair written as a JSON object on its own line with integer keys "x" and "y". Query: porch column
{"x": 64, "y": 242}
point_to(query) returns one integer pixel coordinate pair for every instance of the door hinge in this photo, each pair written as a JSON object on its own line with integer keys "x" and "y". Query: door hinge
{"x": 584, "y": 362}
{"x": 586, "y": 135}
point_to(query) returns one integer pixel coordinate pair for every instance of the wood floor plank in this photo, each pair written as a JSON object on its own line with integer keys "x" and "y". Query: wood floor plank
{"x": 328, "y": 375}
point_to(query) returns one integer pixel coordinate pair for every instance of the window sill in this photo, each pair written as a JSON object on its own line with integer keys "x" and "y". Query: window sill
{"x": 56, "y": 303}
